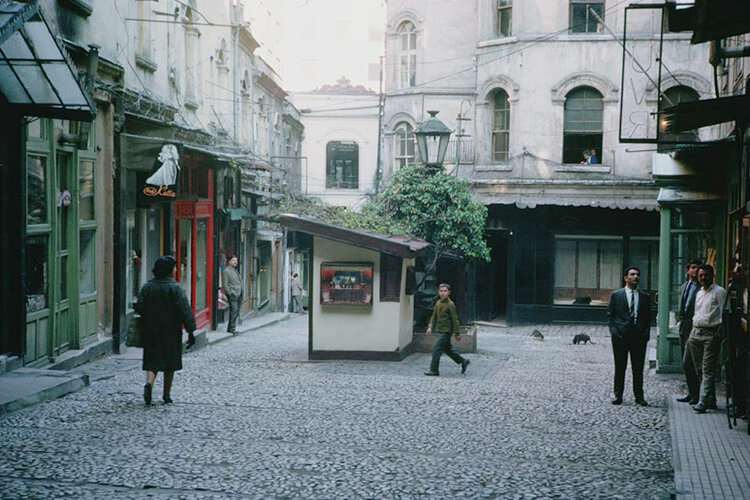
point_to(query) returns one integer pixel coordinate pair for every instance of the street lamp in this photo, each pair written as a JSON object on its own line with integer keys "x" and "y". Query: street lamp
{"x": 432, "y": 141}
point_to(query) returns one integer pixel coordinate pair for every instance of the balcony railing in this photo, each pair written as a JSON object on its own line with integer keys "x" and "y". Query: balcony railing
{"x": 465, "y": 151}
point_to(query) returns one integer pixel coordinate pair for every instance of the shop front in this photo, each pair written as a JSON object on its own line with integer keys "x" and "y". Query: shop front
{"x": 195, "y": 240}
{"x": 48, "y": 216}
{"x": 692, "y": 227}
{"x": 194, "y": 243}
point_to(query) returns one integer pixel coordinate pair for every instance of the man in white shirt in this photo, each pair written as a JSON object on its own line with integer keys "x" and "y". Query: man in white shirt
{"x": 705, "y": 338}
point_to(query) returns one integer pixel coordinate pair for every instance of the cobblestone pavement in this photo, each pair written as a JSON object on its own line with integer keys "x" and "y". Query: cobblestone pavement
{"x": 253, "y": 419}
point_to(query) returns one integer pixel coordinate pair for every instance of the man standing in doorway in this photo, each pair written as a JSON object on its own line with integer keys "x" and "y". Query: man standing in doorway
{"x": 629, "y": 315}
{"x": 688, "y": 291}
{"x": 296, "y": 294}
{"x": 232, "y": 284}
{"x": 705, "y": 338}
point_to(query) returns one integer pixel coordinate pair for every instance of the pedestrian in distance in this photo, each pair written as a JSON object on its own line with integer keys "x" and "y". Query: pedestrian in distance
{"x": 705, "y": 337}
{"x": 164, "y": 309}
{"x": 688, "y": 291}
{"x": 296, "y": 305}
{"x": 232, "y": 285}
{"x": 445, "y": 320}
{"x": 629, "y": 314}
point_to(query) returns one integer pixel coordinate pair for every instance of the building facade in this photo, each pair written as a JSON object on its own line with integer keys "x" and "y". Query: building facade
{"x": 172, "y": 164}
{"x": 529, "y": 87}
{"x": 341, "y": 142}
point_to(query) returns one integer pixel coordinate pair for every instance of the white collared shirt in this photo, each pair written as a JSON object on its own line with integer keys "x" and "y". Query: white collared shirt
{"x": 709, "y": 305}
{"x": 632, "y": 294}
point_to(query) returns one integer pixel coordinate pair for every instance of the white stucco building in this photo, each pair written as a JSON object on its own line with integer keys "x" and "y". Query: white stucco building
{"x": 341, "y": 142}
{"x": 539, "y": 82}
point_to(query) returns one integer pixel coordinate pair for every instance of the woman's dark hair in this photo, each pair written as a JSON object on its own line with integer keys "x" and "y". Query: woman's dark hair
{"x": 163, "y": 266}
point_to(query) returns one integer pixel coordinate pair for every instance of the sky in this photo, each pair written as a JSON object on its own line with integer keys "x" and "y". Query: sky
{"x": 327, "y": 39}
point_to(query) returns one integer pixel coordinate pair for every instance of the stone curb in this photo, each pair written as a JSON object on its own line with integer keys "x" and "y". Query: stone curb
{"x": 69, "y": 383}
{"x": 227, "y": 336}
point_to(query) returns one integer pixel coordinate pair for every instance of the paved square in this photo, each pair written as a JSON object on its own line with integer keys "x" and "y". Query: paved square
{"x": 253, "y": 419}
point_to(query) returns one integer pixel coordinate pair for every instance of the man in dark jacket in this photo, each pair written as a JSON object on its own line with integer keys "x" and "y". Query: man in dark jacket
{"x": 688, "y": 291}
{"x": 231, "y": 282}
{"x": 629, "y": 315}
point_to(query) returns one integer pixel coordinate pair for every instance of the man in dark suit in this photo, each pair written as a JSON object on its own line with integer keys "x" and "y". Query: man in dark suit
{"x": 686, "y": 309}
{"x": 629, "y": 315}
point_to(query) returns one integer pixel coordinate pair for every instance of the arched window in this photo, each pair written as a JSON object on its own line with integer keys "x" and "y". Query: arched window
{"x": 582, "y": 130}
{"x": 500, "y": 125}
{"x": 407, "y": 58}
{"x": 672, "y": 97}
{"x": 342, "y": 165}
{"x": 404, "y": 145}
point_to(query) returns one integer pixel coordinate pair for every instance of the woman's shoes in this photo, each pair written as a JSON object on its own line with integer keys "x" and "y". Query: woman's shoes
{"x": 167, "y": 400}
{"x": 147, "y": 393}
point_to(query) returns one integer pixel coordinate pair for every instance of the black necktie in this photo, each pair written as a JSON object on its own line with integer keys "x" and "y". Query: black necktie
{"x": 632, "y": 304}
{"x": 686, "y": 297}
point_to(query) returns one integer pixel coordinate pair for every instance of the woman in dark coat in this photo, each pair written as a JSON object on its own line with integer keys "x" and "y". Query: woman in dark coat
{"x": 164, "y": 308}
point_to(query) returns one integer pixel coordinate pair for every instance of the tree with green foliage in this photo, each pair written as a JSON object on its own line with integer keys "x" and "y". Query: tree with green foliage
{"x": 425, "y": 203}
{"x": 437, "y": 208}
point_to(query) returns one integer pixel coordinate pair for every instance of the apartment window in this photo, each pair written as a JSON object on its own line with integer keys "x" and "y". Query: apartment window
{"x": 583, "y": 124}
{"x": 342, "y": 165}
{"x": 144, "y": 30}
{"x": 672, "y": 97}
{"x": 500, "y": 125}
{"x": 504, "y": 17}
{"x": 405, "y": 142}
{"x": 581, "y": 18}
{"x": 390, "y": 278}
{"x": 587, "y": 269}
{"x": 407, "y": 61}
{"x": 192, "y": 38}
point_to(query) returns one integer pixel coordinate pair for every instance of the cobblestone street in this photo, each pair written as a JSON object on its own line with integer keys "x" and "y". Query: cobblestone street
{"x": 253, "y": 418}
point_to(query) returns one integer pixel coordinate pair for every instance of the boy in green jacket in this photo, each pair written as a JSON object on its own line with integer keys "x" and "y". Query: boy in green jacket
{"x": 445, "y": 320}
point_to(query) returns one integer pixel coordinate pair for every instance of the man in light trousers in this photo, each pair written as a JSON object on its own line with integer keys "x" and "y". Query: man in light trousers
{"x": 705, "y": 338}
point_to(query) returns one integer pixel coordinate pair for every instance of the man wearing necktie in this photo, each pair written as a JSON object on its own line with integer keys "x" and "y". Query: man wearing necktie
{"x": 629, "y": 314}
{"x": 687, "y": 307}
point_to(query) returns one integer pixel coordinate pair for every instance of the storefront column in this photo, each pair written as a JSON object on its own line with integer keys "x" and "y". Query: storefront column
{"x": 663, "y": 345}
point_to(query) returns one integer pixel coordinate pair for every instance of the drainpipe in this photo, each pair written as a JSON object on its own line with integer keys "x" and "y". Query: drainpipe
{"x": 92, "y": 67}
{"x": 235, "y": 99}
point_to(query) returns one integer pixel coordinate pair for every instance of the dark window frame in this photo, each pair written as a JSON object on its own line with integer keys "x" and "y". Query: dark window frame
{"x": 572, "y": 28}
{"x": 387, "y": 262}
{"x": 504, "y": 8}
{"x": 350, "y": 181}
{"x": 497, "y": 132}
{"x": 574, "y": 142}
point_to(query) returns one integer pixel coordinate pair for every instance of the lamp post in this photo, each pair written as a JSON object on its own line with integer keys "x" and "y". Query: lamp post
{"x": 432, "y": 141}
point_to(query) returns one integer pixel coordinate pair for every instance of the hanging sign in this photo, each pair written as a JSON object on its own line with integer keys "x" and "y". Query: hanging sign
{"x": 161, "y": 185}
{"x": 66, "y": 199}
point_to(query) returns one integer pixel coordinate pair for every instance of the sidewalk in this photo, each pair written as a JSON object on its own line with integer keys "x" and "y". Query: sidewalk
{"x": 29, "y": 386}
{"x": 711, "y": 461}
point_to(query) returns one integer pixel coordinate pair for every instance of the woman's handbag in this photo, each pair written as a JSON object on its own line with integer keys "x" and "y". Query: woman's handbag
{"x": 135, "y": 332}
